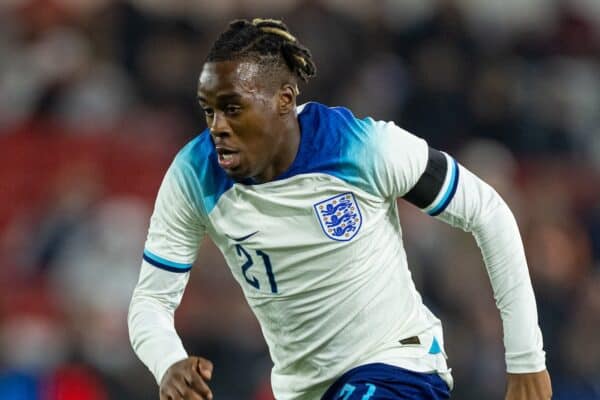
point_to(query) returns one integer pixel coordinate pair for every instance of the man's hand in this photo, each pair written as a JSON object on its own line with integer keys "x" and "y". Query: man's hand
{"x": 186, "y": 380}
{"x": 533, "y": 386}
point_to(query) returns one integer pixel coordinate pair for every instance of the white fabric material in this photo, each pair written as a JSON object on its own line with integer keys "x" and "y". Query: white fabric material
{"x": 151, "y": 327}
{"x": 478, "y": 209}
{"x": 176, "y": 226}
{"x": 340, "y": 304}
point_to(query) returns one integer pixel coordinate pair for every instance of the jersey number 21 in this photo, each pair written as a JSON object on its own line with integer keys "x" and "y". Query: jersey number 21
{"x": 242, "y": 252}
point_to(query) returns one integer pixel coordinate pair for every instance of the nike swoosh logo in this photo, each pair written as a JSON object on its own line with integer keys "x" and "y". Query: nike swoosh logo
{"x": 241, "y": 239}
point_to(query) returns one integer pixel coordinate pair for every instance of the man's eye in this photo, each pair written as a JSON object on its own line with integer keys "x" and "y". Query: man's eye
{"x": 208, "y": 112}
{"x": 232, "y": 109}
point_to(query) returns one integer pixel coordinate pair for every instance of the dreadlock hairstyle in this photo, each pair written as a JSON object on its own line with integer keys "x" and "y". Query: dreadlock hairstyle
{"x": 267, "y": 41}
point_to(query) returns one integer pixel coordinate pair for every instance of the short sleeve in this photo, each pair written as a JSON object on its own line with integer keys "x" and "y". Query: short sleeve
{"x": 176, "y": 226}
{"x": 400, "y": 159}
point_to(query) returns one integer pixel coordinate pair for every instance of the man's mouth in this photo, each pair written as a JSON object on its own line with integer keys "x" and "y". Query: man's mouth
{"x": 228, "y": 158}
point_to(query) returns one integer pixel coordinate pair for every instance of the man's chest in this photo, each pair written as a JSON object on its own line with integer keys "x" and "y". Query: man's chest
{"x": 275, "y": 234}
{"x": 310, "y": 210}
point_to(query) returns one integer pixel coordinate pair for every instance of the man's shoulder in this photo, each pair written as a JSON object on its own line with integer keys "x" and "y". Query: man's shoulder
{"x": 338, "y": 132}
{"x": 318, "y": 115}
{"x": 199, "y": 158}
{"x": 197, "y": 168}
{"x": 339, "y": 129}
{"x": 197, "y": 150}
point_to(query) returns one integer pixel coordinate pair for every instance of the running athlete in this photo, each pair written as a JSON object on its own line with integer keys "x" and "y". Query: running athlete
{"x": 301, "y": 201}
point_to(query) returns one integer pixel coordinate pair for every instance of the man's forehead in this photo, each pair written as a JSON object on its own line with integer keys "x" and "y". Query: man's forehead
{"x": 229, "y": 76}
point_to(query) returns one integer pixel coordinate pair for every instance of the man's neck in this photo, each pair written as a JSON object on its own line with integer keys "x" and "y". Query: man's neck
{"x": 286, "y": 151}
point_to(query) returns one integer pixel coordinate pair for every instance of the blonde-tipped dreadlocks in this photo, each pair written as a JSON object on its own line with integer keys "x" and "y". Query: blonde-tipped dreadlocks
{"x": 266, "y": 40}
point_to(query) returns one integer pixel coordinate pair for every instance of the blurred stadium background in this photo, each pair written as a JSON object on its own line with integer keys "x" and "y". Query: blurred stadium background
{"x": 96, "y": 96}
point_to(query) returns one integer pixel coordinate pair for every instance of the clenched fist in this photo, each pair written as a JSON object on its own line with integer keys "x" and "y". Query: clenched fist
{"x": 186, "y": 380}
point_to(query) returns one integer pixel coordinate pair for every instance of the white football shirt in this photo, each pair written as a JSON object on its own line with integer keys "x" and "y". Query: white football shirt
{"x": 317, "y": 252}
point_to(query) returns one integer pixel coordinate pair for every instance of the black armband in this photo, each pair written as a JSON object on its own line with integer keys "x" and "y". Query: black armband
{"x": 440, "y": 176}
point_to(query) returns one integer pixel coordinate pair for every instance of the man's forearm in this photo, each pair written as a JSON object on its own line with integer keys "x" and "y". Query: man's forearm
{"x": 477, "y": 208}
{"x": 151, "y": 325}
{"x": 503, "y": 254}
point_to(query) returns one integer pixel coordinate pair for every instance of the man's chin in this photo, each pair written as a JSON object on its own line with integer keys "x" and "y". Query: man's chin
{"x": 237, "y": 174}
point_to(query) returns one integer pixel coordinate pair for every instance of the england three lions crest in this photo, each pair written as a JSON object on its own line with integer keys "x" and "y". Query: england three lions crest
{"x": 339, "y": 216}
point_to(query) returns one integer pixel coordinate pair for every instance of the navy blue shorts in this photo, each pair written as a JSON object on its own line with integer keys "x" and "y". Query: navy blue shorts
{"x": 386, "y": 382}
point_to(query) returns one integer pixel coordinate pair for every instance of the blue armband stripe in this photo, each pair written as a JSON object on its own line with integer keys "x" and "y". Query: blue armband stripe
{"x": 450, "y": 191}
{"x": 162, "y": 263}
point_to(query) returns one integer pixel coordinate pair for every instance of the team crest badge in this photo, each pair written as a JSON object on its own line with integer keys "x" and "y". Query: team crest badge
{"x": 339, "y": 216}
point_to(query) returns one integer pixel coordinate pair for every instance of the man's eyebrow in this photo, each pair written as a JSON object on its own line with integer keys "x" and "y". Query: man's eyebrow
{"x": 228, "y": 96}
{"x": 221, "y": 97}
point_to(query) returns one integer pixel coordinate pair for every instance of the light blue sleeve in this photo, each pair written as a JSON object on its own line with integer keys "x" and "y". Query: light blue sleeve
{"x": 177, "y": 225}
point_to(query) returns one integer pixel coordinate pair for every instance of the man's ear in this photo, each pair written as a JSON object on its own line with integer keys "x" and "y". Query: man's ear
{"x": 287, "y": 98}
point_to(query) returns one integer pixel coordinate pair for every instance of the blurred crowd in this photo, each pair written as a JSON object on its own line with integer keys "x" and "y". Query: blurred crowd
{"x": 96, "y": 96}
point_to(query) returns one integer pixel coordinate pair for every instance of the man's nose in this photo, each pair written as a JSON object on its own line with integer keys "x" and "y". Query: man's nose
{"x": 219, "y": 126}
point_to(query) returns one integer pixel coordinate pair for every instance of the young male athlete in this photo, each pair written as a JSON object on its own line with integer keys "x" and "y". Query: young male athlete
{"x": 301, "y": 200}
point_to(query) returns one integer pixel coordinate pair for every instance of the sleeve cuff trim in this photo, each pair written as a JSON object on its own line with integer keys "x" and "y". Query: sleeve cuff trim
{"x": 165, "y": 264}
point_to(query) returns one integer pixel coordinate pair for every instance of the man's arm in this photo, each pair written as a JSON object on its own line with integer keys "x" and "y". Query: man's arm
{"x": 151, "y": 318}
{"x": 453, "y": 194}
{"x": 406, "y": 167}
{"x": 176, "y": 229}
{"x": 154, "y": 339}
